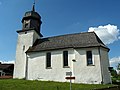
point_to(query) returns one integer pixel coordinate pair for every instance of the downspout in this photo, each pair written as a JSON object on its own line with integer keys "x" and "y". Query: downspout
{"x": 73, "y": 60}
{"x": 26, "y": 69}
{"x": 100, "y": 65}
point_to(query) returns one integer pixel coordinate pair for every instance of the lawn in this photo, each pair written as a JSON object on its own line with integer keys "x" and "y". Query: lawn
{"x": 15, "y": 84}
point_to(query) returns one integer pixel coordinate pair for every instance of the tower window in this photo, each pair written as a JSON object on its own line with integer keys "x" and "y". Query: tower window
{"x": 89, "y": 58}
{"x": 65, "y": 58}
{"x": 48, "y": 60}
{"x": 23, "y": 47}
{"x": 26, "y": 25}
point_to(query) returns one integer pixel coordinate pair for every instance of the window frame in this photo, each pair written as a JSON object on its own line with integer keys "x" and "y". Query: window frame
{"x": 89, "y": 58}
{"x": 48, "y": 60}
{"x": 65, "y": 59}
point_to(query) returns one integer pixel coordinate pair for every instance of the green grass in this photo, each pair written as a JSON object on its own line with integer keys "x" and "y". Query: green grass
{"x": 15, "y": 84}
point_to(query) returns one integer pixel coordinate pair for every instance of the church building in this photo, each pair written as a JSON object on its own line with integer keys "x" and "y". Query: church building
{"x": 82, "y": 56}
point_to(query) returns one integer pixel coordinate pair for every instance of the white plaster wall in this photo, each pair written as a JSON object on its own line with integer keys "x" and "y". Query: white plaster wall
{"x": 105, "y": 65}
{"x": 25, "y": 40}
{"x": 84, "y": 73}
{"x": 37, "y": 66}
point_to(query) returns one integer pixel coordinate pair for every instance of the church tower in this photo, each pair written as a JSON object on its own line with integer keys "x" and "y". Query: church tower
{"x": 30, "y": 32}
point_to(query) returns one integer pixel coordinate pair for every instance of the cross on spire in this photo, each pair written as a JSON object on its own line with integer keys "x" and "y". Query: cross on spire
{"x": 33, "y": 8}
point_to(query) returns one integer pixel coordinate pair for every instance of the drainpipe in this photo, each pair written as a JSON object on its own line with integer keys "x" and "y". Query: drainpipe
{"x": 100, "y": 65}
{"x": 26, "y": 69}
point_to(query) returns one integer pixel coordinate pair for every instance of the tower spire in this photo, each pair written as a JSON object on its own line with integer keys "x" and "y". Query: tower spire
{"x": 33, "y": 8}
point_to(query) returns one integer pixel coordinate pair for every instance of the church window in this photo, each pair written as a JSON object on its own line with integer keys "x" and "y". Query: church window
{"x": 48, "y": 60}
{"x": 65, "y": 58}
{"x": 89, "y": 58}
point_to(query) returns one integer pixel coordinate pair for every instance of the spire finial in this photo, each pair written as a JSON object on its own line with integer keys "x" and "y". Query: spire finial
{"x": 33, "y": 8}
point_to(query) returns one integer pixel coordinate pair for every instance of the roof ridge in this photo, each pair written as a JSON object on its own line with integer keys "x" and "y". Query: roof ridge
{"x": 67, "y": 34}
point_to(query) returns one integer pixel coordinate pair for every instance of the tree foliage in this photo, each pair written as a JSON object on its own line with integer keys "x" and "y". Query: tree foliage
{"x": 113, "y": 73}
{"x": 118, "y": 66}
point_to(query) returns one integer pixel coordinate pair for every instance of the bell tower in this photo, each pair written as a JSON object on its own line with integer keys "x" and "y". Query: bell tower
{"x": 31, "y": 23}
{"x": 32, "y": 20}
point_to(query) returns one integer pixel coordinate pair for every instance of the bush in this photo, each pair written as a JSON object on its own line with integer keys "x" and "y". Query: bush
{"x": 116, "y": 79}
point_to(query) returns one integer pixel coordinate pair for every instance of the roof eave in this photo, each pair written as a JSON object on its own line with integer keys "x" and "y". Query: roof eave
{"x": 30, "y": 29}
{"x": 30, "y": 51}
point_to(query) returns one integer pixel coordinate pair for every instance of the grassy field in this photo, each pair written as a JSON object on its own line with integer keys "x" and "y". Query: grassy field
{"x": 14, "y": 84}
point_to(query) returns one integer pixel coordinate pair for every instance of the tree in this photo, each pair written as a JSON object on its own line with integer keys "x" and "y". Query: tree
{"x": 118, "y": 68}
{"x": 113, "y": 73}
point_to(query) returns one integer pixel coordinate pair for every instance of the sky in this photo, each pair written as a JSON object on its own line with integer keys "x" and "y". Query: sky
{"x": 62, "y": 17}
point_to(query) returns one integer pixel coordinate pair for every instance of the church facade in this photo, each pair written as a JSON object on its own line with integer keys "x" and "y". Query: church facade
{"x": 82, "y": 56}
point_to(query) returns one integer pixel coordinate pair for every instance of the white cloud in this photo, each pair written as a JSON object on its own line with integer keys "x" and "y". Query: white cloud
{"x": 108, "y": 33}
{"x": 114, "y": 61}
{"x": 8, "y": 62}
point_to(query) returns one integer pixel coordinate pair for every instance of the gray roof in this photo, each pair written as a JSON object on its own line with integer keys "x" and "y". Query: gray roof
{"x": 78, "y": 40}
{"x": 6, "y": 66}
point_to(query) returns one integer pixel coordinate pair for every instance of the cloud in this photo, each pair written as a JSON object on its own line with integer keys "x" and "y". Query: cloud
{"x": 8, "y": 62}
{"x": 114, "y": 61}
{"x": 108, "y": 33}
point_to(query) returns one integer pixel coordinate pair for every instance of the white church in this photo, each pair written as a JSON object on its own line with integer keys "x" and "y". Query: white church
{"x": 52, "y": 58}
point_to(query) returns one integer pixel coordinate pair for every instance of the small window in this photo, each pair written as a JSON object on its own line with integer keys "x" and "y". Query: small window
{"x": 89, "y": 58}
{"x": 23, "y": 47}
{"x": 48, "y": 60}
{"x": 26, "y": 25}
{"x": 65, "y": 58}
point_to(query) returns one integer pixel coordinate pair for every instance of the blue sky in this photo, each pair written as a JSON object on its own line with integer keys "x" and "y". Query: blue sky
{"x": 62, "y": 17}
